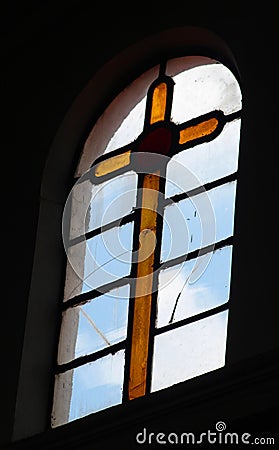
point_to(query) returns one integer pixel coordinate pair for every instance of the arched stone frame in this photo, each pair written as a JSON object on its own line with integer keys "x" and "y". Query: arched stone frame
{"x": 40, "y": 344}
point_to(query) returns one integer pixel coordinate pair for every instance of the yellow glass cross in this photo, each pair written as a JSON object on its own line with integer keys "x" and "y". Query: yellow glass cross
{"x": 163, "y": 137}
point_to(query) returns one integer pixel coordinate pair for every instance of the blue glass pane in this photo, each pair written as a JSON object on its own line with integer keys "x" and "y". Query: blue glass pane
{"x": 194, "y": 286}
{"x": 198, "y": 221}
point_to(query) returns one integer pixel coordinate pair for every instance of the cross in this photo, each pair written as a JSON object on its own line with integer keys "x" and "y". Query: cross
{"x": 160, "y": 136}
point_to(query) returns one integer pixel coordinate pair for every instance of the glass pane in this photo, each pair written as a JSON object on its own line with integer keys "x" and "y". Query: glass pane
{"x": 121, "y": 123}
{"x": 201, "y": 89}
{"x": 110, "y": 165}
{"x": 159, "y": 101}
{"x": 193, "y": 287}
{"x": 100, "y": 260}
{"x": 99, "y": 323}
{"x": 205, "y": 162}
{"x": 198, "y": 221}
{"x": 130, "y": 128}
{"x": 108, "y": 256}
{"x": 189, "y": 351}
{"x": 88, "y": 388}
{"x": 203, "y": 128}
{"x": 92, "y": 206}
{"x": 112, "y": 200}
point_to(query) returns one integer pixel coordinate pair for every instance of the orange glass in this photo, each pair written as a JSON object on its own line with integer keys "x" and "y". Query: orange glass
{"x": 144, "y": 283}
{"x": 197, "y": 131}
{"x": 159, "y": 101}
{"x": 112, "y": 164}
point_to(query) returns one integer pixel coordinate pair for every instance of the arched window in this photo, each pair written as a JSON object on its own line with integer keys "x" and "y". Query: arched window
{"x": 148, "y": 232}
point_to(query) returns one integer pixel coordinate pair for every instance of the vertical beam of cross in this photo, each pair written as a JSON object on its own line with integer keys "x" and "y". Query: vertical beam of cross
{"x": 144, "y": 286}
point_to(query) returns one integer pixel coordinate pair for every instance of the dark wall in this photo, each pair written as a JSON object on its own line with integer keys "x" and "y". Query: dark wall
{"x": 50, "y": 51}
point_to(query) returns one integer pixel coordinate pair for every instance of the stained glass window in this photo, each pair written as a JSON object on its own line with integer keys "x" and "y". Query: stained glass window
{"x": 148, "y": 231}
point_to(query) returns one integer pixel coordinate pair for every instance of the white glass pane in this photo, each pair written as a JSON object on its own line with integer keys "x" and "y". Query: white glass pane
{"x": 130, "y": 128}
{"x": 121, "y": 123}
{"x": 92, "y": 206}
{"x": 100, "y": 260}
{"x": 108, "y": 256}
{"x": 194, "y": 286}
{"x": 205, "y": 162}
{"x": 189, "y": 351}
{"x": 97, "y": 324}
{"x": 88, "y": 388}
{"x": 112, "y": 200}
{"x": 198, "y": 221}
{"x": 202, "y": 89}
